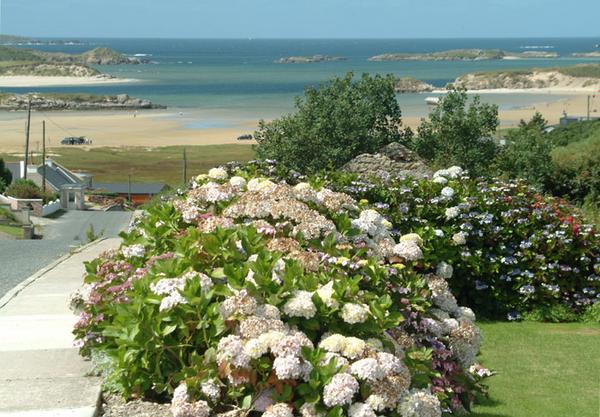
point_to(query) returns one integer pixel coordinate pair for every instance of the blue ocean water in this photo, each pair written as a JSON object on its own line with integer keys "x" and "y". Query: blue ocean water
{"x": 240, "y": 77}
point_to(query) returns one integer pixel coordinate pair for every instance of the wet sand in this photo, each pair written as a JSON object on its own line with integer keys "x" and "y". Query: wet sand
{"x": 165, "y": 128}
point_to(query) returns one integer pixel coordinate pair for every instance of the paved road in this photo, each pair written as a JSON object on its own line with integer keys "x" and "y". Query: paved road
{"x": 19, "y": 259}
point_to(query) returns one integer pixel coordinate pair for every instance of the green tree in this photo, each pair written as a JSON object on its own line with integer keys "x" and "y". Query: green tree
{"x": 333, "y": 123}
{"x": 527, "y": 153}
{"x": 459, "y": 131}
{"x": 5, "y": 176}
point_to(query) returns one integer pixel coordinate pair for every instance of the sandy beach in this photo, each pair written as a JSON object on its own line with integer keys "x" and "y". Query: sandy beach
{"x": 165, "y": 128}
{"x": 36, "y": 81}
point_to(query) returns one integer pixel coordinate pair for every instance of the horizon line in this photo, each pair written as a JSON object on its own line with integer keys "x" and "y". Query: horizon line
{"x": 75, "y": 37}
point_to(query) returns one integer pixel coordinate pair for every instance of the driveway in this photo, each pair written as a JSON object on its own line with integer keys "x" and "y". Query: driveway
{"x": 20, "y": 259}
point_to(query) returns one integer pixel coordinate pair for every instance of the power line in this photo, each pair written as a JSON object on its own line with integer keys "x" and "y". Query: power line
{"x": 64, "y": 129}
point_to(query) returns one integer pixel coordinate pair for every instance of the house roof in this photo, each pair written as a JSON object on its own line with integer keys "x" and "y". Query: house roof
{"x": 136, "y": 188}
{"x": 58, "y": 176}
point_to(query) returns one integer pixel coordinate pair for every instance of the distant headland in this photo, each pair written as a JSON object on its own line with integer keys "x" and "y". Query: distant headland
{"x": 464, "y": 55}
{"x": 309, "y": 59}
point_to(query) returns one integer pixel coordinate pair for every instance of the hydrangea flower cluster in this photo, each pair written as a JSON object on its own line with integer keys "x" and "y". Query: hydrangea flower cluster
{"x": 253, "y": 294}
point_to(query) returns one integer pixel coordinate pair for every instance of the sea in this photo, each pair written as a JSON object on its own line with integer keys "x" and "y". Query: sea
{"x": 225, "y": 81}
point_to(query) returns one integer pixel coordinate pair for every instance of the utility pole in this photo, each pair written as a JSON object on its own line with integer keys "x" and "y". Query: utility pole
{"x": 44, "y": 156}
{"x": 27, "y": 137}
{"x": 129, "y": 187}
{"x": 184, "y": 167}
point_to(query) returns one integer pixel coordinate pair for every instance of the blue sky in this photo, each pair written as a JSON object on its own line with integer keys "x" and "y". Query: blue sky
{"x": 301, "y": 18}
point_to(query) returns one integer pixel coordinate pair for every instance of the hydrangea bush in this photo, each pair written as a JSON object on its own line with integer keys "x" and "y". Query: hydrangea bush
{"x": 506, "y": 250}
{"x": 245, "y": 295}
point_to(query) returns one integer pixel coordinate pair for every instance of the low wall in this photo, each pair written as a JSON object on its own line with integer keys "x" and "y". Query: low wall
{"x": 19, "y": 204}
{"x": 50, "y": 208}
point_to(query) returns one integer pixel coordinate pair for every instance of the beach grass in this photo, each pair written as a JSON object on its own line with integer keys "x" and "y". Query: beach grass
{"x": 550, "y": 370}
{"x": 158, "y": 164}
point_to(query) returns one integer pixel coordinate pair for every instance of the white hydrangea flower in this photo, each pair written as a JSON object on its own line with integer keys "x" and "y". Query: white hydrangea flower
{"x": 181, "y": 395}
{"x": 412, "y": 237}
{"x": 303, "y": 191}
{"x": 309, "y": 410}
{"x": 340, "y": 390}
{"x": 360, "y": 410}
{"x": 466, "y": 313}
{"x": 278, "y": 410}
{"x": 133, "y": 251}
{"x": 171, "y": 301}
{"x": 408, "y": 250}
{"x": 334, "y": 343}
{"x": 253, "y": 184}
{"x": 255, "y": 348}
{"x": 420, "y": 403}
{"x": 237, "y": 182}
{"x": 271, "y": 338}
{"x": 376, "y": 402}
{"x": 367, "y": 369}
{"x": 440, "y": 180}
{"x": 447, "y": 192}
{"x": 459, "y": 238}
{"x": 211, "y": 390}
{"x": 326, "y": 294}
{"x": 389, "y": 363}
{"x": 231, "y": 350}
{"x": 444, "y": 270}
{"x": 354, "y": 313}
{"x": 452, "y": 213}
{"x": 268, "y": 311}
{"x": 287, "y": 367}
{"x": 354, "y": 347}
{"x": 218, "y": 173}
{"x": 300, "y": 305}
{"x": 454, "y": 172}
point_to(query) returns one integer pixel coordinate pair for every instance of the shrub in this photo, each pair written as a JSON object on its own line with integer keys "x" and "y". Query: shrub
{"x": 22, "y": 188}
{"x": 459, "y": 132}
{"x": 527, "y": 154}
{"x": 333, "y": 124}
{"x": 2, "y": 186}
{"x": 27, "y": 189}
{"x": 246, "y": 295}
{"x": 512, "y": 250}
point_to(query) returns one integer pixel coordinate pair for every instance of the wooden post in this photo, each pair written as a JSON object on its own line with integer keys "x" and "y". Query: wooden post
{"x": 184, "y": 167}
{"x": 27, "y": 137}
{"x": 129, "y": 187}
{"x": 44, "y": 156}
{"x": 588, "y": 107}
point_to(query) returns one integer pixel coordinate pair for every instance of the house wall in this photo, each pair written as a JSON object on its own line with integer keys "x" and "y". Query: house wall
{"x": 18, "y": 204}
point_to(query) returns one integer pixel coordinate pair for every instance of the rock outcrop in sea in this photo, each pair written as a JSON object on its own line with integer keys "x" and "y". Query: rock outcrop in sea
{"x": 16, "y": 102}
{"x": 412, "y": 85}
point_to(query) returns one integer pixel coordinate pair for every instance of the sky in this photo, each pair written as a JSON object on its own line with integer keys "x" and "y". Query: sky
{"x": 301, "y": 18}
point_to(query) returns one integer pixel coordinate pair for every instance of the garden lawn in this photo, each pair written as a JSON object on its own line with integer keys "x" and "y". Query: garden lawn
{"x": 16, "y": 232}
{"x": 545, "y": 370}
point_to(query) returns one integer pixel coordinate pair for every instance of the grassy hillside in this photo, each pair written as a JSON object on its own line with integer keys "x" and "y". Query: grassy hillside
{"x": 18, "y": 61}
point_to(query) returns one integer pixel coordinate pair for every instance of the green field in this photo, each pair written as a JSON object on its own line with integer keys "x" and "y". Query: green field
{"x": 162, "y": 164}
{"x": 543, "y": 370}
{"x": 13, "y": 231}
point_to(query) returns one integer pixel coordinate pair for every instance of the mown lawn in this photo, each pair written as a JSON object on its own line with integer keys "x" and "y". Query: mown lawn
{"x": 162, "y": 164}
{"x": 545, "y": 370}
{"x": 16, "y": 232}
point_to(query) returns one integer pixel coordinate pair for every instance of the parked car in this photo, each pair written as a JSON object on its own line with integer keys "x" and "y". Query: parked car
{"x": 245, "y": 137}
{"x": 75, "y": 140}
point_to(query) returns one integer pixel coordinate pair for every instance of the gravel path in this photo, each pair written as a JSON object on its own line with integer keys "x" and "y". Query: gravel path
{"x": 19, "y": 259}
